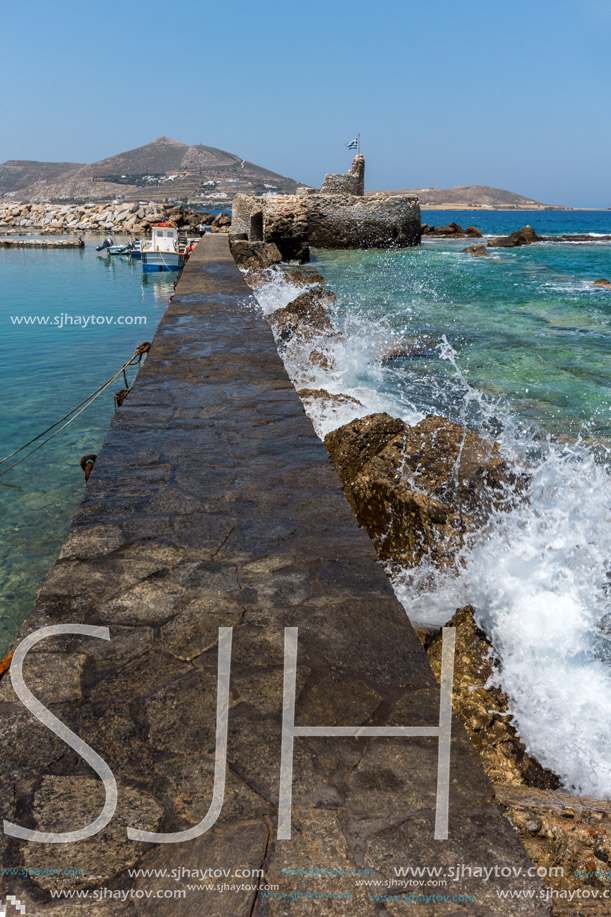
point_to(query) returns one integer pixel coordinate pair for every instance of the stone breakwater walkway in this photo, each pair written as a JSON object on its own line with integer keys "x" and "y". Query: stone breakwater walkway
{"x": 42, "y": 243}
{"x": 213, "y": 504}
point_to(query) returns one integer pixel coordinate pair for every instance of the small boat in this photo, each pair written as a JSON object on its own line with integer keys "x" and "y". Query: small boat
{"x": 164, "y": 252}
{"x": 108, "y": 247}
{"x": 120, "y": 249}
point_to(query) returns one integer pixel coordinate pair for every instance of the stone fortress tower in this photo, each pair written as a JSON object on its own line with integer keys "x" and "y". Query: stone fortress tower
{"x": 340, "y": 215}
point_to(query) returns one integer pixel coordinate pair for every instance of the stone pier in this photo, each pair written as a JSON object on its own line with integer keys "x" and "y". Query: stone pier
{"x": 213, "y": 505}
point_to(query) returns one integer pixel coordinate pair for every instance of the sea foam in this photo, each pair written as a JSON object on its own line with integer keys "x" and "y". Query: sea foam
{"x": 538, "y": 575}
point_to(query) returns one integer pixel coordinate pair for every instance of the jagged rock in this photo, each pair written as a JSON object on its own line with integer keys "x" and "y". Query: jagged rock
{"x": 524, "y": 236}
{"x": 603, "y": 282}
{"x": 255, "y": 255}
{"x": 304, "y": 317}
{"x": 478, "y": 251}
{"x": 483, "y": 708}
{"x": 417, "y": 490}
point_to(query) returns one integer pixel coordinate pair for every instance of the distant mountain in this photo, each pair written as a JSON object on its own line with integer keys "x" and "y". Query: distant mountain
{"x": 162, "y": 169}
{"x": 16, "y": 174}
{"x": 472, "y": 195}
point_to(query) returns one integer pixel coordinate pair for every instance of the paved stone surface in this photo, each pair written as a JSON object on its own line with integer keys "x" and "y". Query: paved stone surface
{"x": 213, "y": 504}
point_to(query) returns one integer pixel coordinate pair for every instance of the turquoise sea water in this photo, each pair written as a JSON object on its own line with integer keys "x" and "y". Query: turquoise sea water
{"x": 526, "y": 323}
{"x": 517, "y": 346}
{"x": 44, "y": 371}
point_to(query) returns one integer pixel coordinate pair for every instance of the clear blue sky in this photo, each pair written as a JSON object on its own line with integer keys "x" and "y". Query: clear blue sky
{"x": 444, "y": 93}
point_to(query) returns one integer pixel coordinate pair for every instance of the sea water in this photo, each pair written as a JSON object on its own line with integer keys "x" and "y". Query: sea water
{"x": 97, "y": 311}
{"x": 518, "y": 347}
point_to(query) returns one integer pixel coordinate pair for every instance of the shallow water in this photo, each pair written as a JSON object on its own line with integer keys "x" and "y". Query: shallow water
{"x": 44, "y": 371}
{"x": 518, "y": 347}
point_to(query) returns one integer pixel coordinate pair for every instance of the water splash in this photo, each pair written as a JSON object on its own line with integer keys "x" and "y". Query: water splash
{"x": 539, "y": 573}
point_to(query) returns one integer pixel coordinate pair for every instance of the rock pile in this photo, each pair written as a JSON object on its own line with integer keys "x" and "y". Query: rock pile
{"x": 122, "y": 217}
{"x": 524, "y": 236}
{"x": 452, "y": 229}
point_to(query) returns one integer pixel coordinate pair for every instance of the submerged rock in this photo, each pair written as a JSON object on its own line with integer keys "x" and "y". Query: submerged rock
{"x": 483, "y": 708}
{"x": 524, "y": 236}
{"x": 418, "y": 490}
{"x": 478, "y": 251}
{"x": 408, "y": 347}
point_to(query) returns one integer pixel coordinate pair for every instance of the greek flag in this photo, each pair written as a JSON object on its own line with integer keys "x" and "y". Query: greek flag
{"x": 353, "y": 144}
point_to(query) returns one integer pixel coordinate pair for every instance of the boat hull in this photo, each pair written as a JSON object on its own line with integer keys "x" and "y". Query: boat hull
{"x": 162, "y": 261}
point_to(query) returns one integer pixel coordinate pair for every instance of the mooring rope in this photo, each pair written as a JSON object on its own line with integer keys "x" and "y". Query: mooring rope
{"x": 73, "y": 414}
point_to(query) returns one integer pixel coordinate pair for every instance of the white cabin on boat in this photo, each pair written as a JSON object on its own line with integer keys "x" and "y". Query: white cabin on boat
{"x": 163, "y": 252}
{"x": 164, "y": 238}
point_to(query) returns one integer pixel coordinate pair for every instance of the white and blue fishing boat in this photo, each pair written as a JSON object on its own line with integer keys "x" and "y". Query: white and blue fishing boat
{"x": 164, "y": 251}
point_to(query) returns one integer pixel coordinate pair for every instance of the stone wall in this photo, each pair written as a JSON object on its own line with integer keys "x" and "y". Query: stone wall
{"x": 245, "y": 207}
{"x": 285, "y": 222}
{"x": 347, "y": 221}
{"x": 330, "y": 218}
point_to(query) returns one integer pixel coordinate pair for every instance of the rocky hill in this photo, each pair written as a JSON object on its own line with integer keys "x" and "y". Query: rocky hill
{"x": 163, "y": 169}
{"x": 473, "y": 196}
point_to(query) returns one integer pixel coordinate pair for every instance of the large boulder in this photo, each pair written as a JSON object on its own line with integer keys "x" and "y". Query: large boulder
{"x": 304, "y": 318}
{"x": 603, "y": 282}
{"x": 524, "y": 236}
{"x": 255, "y": 255}
{"x": 221, "y": 223}
{"x": 418, "y": 490}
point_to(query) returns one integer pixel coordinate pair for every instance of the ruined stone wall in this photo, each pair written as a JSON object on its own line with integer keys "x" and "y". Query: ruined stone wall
{"x": 347, "y": 221}
{"x": 285, "y": 222}
{"x": 351, "y": 183}
{"x": 244, "y": 208}
{"x": 340, "y": 184}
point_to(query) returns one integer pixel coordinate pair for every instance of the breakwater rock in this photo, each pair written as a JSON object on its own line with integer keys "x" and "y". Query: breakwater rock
{"x": 418, "y": 490}
{"x": 116, "y": 217}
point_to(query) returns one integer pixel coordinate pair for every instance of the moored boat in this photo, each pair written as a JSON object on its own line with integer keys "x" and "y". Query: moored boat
{"x": 164, "y": 251}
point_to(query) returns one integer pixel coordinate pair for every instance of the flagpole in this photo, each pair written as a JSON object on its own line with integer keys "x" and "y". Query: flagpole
{"x": 358, "y": 149}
